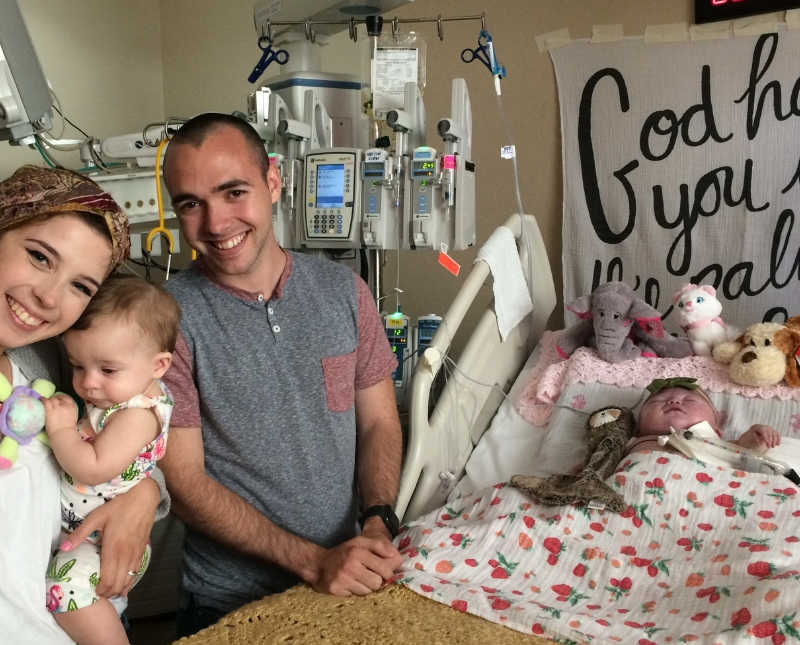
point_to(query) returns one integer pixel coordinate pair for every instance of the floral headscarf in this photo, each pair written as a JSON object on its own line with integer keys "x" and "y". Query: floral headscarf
{"x": 33, "y": 191}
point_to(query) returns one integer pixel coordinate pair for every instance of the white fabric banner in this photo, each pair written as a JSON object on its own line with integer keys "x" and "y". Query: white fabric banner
{"x": 681, "y": 163}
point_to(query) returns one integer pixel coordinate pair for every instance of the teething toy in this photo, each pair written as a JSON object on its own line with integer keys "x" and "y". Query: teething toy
{"x": 21, "y": 417}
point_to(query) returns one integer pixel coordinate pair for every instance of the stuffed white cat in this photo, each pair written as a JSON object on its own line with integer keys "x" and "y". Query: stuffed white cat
{"x": 699, "y": 316}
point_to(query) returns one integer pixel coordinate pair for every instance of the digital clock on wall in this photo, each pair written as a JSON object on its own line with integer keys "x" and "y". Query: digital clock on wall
{"x": 711, "y": 10}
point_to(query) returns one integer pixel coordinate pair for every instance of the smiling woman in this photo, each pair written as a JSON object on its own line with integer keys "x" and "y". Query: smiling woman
{"x": 61, "y": 235}
{"x": 54, "y": 267}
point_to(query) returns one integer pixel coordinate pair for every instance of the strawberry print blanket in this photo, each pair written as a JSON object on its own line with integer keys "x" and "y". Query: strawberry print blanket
{"x": 700, "y": 555}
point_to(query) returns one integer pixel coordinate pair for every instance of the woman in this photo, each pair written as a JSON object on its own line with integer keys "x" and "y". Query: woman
{"x": 61, "y": 235}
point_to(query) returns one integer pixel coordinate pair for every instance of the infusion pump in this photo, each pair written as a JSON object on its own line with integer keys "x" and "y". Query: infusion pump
{"x": 332, "y": 199}
{"x": 353, "y": 198}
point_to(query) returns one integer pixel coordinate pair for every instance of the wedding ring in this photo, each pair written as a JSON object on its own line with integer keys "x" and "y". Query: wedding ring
{"x": 132, "y": 573}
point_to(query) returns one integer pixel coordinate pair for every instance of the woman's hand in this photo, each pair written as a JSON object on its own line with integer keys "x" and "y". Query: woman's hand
{"x": 125, "y": 523}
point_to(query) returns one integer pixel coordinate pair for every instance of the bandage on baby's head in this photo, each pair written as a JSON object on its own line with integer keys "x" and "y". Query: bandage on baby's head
{"x": 683, "y": 382}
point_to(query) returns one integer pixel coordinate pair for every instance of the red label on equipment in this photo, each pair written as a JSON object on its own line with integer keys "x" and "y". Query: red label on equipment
{"x": 449, "y": 263}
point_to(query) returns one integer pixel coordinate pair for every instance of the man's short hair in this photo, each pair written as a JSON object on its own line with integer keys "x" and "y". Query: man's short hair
{"x": 149, "y": 306}
{"x": 196, "y": 129}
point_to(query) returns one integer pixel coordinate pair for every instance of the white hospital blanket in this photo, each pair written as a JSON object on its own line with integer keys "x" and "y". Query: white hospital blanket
{"x": 508, "y": 445}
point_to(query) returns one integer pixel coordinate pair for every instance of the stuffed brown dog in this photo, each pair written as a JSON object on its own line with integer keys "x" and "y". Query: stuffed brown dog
{"x": 789, "y": 340}
{"x": 754, "y": 358}
{"x": 763, "y": 355}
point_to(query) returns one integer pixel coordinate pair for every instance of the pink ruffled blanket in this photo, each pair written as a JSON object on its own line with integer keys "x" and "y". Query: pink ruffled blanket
{"x": 552, "y": 373}
{"x": 709, "y": 555}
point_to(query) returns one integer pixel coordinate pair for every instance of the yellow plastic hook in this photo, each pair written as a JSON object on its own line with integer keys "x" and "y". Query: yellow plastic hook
{"x": 160, "y": 229}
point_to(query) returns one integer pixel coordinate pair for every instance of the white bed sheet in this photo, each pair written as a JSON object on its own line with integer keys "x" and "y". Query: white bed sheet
{"x": 510, "y": 441}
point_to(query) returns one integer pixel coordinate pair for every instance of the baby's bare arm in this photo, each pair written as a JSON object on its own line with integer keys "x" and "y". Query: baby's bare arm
{"x": 759, "y": 437}
{"x": 125, "y": 434}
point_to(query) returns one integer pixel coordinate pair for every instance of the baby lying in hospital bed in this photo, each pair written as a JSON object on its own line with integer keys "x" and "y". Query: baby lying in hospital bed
{"x": 678, "y": 414}
{"x": 700, "y": 553}
{"x": 680, "y": 404}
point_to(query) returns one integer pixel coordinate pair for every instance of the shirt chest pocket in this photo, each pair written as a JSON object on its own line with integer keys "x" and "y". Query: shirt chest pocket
{"x": 339, "y": 373}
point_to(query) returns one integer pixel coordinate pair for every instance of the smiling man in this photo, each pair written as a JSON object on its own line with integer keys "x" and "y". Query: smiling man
{"x": 285, "y": 429}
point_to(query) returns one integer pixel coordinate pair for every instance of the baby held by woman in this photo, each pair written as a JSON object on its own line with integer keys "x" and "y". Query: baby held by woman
{"x": 119, "y": 349}
{"x": 680, "y": 404}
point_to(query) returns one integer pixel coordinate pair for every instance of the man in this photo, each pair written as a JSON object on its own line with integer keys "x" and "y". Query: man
{"x": 285, "y": 415}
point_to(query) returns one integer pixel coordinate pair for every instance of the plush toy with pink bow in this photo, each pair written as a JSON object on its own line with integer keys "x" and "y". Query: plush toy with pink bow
{"x": 699, "y": 315}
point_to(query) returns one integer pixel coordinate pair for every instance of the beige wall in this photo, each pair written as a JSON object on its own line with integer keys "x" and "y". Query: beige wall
{"x": 103, "y": 60}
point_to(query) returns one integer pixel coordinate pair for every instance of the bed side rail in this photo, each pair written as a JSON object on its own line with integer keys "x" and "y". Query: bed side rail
{"x": 439, "y": 445}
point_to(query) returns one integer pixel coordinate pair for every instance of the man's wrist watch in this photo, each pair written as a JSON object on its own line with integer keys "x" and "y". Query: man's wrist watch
{"x": 387, "y": 515}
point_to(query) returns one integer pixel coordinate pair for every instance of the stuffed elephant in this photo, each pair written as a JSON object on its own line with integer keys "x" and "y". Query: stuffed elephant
{"x": 620, "y": 325}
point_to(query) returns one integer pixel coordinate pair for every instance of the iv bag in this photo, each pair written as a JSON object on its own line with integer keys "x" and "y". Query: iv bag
{"x": 396, "y": 60}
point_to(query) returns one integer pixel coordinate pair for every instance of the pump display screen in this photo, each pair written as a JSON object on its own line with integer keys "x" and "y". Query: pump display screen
{"x": 373, "y": 169}
{"x": 330, "y": 185}
{"x": 423, "y": 168}
{"x": 398, "y": 341}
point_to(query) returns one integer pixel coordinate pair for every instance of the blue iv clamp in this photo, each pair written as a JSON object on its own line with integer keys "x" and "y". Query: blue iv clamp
{"x": 280, "y": 56}
{"x": 484, "y": 52}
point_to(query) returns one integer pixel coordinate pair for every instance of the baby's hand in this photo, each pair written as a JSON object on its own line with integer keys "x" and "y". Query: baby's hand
{"x": 61, "y": 414}
{"x": 759, "y": 437}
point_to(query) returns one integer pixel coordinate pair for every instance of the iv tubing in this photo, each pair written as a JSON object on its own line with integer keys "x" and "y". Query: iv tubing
{"x": 520, "y": 209}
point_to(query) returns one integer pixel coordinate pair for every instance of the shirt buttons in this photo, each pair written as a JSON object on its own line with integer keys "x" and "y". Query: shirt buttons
{"x": 270, "y": 310}
{"x": 261, "y": 298}
{"x": 276, "y": 328}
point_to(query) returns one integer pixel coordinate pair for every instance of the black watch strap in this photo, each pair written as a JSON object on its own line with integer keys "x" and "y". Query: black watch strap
{"x": 387, "y": 515}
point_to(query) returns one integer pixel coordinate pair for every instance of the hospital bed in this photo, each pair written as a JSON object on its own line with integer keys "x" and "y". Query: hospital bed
{"x": 440, "y": 444}
{"x": 479, "y": 548}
